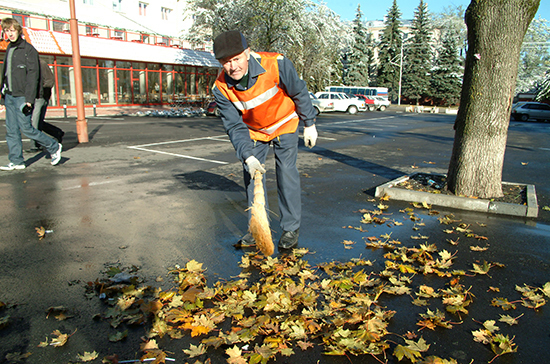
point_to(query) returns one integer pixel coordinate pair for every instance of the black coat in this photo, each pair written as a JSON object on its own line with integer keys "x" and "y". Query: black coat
{"x": 25, "y": 71}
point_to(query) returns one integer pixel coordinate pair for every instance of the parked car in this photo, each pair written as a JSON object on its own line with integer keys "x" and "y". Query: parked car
{"x": 369, "y": 102}
{"x": 341, "y": 102}
{"x": 375, "y": 102}
{"x": 319, "y": 105}
{"x": 381, "y": 103}
{"x": 531, "y": 110}
{"x": 212, "y": 109}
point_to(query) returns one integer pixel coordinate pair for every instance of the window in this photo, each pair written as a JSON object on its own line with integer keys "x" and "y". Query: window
{"x": 60, "y": 26}
{"x": 92, "y": 30}
{"x": 142, "y": 8}
{"x": 165, "y": 12}
{"x": 118, "y": 34}
{"x": 22, "y": 19}
{"x": 88, "y": 2}
{"x": 145, "y": 38}
{"x": 117, "y": 5}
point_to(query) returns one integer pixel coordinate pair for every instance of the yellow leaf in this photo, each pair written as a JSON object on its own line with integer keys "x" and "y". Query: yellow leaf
{"x": 149, "y": 345}
{"x": 235, "y": 355}
{"x": 87, "y": 356}
{"x": 41, "y": 232}
{"x": 195, "y": 350}
{"x": 194, "y": 266}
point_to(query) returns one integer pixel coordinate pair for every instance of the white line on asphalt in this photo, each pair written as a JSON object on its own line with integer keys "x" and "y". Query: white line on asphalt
{"x": 91, "y": 184}
{"x": 179, "y": 155}
{"x": 545, "y": 148}
{"x": 326, "y": 138}
{"x": 368, "y": 128}
{"x": 355, "y": 121}
{"x": 181, "y": 141}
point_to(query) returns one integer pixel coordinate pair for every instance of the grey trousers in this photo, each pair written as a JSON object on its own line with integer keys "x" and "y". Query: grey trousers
{"x": 285, "y": 148}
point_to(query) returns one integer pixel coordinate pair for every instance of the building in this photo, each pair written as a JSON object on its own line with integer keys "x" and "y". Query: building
{"x": 132, "y": 52}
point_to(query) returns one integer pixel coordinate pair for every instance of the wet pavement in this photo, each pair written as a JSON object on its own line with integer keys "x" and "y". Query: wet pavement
{"x": 156, "y": 192}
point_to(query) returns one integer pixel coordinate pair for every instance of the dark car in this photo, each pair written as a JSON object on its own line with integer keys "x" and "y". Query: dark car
{"x": 531, "y": 110}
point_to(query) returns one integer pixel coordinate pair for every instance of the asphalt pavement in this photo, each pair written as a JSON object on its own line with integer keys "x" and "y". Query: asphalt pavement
{"x": 158, "y": 192}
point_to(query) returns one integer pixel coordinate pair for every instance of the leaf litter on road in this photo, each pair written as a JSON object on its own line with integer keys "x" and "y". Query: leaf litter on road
{"x": 279, "y": 305}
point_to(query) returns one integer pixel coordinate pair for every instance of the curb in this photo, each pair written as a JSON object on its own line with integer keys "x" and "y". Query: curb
{"x": 462, "y": 203}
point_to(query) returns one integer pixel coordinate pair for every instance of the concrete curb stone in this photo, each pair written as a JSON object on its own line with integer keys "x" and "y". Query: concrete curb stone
{"x": 462, "y": 203}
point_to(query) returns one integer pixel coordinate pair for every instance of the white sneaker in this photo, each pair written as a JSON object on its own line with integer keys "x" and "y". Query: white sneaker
{"x": 10, "y": 166}
{"x": 56, "y": 157}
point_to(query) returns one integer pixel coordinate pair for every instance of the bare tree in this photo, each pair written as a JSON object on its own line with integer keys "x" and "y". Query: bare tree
{"x": 495, "y": 33}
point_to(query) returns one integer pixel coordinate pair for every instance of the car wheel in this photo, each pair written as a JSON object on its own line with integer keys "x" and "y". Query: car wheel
{"x": 524, "y": 117}
{"x": 352, "y": 110}
{"x": 372, "y": 108}
{"x": 382, "y": 108}
{"x": 217, "y": 112}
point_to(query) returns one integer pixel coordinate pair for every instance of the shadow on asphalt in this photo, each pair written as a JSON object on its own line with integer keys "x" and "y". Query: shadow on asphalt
{"x": 361, "y": 164}
{"x": 202, "y": 180}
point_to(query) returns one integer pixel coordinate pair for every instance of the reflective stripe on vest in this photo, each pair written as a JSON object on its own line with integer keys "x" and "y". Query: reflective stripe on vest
{"x": 258, "y": 100}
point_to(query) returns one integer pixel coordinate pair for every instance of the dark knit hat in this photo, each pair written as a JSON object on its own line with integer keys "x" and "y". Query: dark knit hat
{"x": 229, "y": 43}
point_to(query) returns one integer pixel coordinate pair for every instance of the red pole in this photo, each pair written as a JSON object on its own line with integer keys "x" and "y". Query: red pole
{"x": 81, "y": 123}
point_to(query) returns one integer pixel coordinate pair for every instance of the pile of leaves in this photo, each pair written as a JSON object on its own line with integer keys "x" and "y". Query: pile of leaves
{"x": 280, "y": 305}
{"x": 437, "y": 183}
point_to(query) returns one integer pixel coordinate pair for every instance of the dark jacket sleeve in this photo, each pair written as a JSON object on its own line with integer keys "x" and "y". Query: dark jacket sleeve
{"x": 32, "y": 84}
{"x": 234, "y": 126}
{"x": 296, "y": 88}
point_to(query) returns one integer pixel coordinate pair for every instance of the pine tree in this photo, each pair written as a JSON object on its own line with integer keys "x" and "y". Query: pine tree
{"x": 390, "y": 52}
{"x": 446, "y": 80}
{"x": 357, "y": 59}
{"x": 418, "y": 56}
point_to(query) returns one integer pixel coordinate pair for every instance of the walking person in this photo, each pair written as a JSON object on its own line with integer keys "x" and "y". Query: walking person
{"x": 20, "y": 88}
{"x": 261, "y": 100}
{"x": 41, "y": 106}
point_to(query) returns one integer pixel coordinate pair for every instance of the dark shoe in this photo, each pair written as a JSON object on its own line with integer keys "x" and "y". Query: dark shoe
{"x": 60, "y": 137}
{"x": 245, "y": 241}
{"x": 289, "y": 239}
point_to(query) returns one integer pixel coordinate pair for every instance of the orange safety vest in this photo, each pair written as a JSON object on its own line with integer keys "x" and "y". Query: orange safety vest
{"x": 266, "y": 109}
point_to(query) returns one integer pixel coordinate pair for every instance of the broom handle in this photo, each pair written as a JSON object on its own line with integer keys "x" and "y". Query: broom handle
{"x": 259, "y": 196}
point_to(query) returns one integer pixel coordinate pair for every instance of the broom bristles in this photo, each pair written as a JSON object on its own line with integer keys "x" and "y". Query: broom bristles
{"x": 259, "y": 224}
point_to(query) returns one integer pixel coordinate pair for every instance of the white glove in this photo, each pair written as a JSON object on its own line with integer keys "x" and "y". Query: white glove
{"x": 310, "y": 136}
{"x": 253, "y": 165}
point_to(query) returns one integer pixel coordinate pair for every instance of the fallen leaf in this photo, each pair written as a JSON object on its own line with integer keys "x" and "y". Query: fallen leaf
{"x": 17, "y": 357}
{"x": 41, "y": 232}
{"x": 194, "y": 350}
{"x": 87, "y": 356}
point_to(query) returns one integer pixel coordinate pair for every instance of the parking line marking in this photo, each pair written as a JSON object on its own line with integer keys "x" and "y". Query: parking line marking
{"x": 216, "y": 138}
{"x": 179, "y": 155}
{"x": 326, "y": 138}
{"x": 545, "y": 148}
{"x": 180, "y": 141}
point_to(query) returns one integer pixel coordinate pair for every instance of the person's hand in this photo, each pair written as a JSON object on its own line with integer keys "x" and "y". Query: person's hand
{"x": 253, "y": 165}
{"x": 310, "y": 136}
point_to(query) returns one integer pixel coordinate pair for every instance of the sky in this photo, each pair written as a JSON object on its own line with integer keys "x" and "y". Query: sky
{"x": 377, "y": 9}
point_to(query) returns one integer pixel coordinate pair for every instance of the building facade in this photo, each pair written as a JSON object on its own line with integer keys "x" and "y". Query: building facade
{"x": 132, "y": 52}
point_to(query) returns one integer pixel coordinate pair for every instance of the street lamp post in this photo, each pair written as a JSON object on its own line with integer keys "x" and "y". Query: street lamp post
{"x": 400, "y": 74}
{"x": 81, "y": 124}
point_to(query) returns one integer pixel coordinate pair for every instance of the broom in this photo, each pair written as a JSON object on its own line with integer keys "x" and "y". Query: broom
{"x": 259, "y": 225}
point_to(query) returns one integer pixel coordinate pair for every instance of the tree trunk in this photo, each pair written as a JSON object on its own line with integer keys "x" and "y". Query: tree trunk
{"x": 495, "y": 33}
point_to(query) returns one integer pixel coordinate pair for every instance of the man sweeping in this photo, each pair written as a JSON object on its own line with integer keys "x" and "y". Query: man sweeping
{"x": 261, "y": 100}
